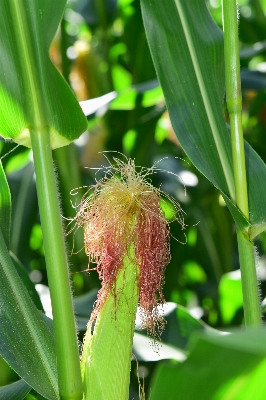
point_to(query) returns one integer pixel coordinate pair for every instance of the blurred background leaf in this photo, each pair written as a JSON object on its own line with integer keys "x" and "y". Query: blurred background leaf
{"x": 241, "y": 361}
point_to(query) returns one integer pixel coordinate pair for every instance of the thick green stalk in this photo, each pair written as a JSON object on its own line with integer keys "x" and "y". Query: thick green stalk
{"x": 70, "y": 384}
{"x": 249, "y": 280}
{"x": 234, "y": 102}
{"x": 234, "y": 106}
{"x": 107, "y": 354}
{"x": 37, "y": 113}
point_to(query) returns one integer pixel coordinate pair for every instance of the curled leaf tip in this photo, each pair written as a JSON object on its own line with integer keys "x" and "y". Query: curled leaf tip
{"x": 122, "y": 211}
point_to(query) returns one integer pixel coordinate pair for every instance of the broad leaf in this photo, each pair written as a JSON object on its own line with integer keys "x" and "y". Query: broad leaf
{"x": 187, "y": 50}
{"x": 33, "y": 94}
{"x": 26, "y": 337}
{"x": 15, "y": 391}
{"x": 234, "y": 368}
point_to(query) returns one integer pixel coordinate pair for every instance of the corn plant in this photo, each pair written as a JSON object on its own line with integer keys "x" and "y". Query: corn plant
{"x": 126, "y": 232}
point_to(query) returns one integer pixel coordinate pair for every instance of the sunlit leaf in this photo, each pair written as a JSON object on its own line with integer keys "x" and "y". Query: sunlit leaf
{"x": 33, "y": 93}
{"x": 17, "y": 162}
{"x": 219, "y": 367}
{"x": 193, "y": 272}
{"x": 230, "y": 295}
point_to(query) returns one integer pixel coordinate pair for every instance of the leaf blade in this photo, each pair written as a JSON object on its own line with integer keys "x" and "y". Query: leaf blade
{"x": 15, "y": 391}
{"x": 166, "y": 25}
{"x": 27, "y": 342}
{"x": 241, "y": 360}
{"x": 5, "y": 206}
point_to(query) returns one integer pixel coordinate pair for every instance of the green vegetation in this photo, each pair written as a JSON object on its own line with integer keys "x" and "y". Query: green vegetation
{"x": 177, "y": 89}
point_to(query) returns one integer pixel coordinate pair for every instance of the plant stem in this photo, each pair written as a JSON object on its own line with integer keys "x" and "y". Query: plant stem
{"x": 249, "y": 280}
{"x": 70, "y": 384}
{"x": 234, "y": 106}
{"x": 234, "y": 102}
{"x": 106, "y": 357}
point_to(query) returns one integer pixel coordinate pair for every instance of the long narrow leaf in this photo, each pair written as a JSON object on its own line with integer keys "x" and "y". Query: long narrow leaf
{"x": 5, "y": 206}
{"x": 26, "y": 339}
{"x": 15, "y": 391}
{"x": 187, "y": 50}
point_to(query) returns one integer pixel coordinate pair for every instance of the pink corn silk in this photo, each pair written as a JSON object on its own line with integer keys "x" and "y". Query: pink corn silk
{"x": 122, "y": 212}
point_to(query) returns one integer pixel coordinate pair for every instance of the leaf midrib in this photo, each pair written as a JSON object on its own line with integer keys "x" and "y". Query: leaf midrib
{"x": 228, "y": 173}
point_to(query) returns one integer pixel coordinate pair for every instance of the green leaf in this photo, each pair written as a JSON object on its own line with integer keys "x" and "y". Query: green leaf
{"x": 29, "y": 285}
{"x": 24, "y": 209}
{"x": 26, "y": 337}
{"x": 187, "y": 50}
{"x": 5, "y": 206}
{"x": 33, "y": 93}
{"x": 219, "y": 367}
{"x": 18, "y": 162}
{"x": 230, "y": 295}
{"x": 180, "y": 326}
{"x": 15, "y": 391}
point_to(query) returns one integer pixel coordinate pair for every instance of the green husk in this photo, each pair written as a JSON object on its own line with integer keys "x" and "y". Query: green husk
{"x": 106, "y": 358}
